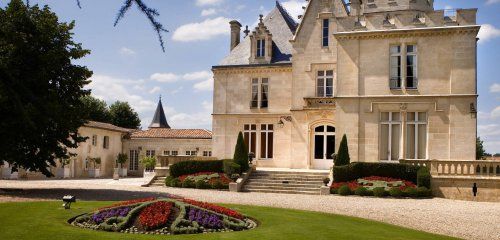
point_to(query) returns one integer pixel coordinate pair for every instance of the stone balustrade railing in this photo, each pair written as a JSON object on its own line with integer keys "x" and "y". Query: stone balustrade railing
{"x": 464, "y": 168}
{"x": 319, "y": 102}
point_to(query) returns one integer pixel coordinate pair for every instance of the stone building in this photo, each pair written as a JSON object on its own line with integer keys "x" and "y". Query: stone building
{"x": 397, "y": 77}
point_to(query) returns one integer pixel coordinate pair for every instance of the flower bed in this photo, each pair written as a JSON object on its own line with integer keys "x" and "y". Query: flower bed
{"x": 200, "y": 180}
{"x": 164, "y": 216}
{"x": 379, "y": 186}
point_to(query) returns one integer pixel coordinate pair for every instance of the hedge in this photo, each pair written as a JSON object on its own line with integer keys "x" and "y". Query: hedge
{"x": 191, "y": 167}
{"x": 424, "y": 178}
{"x": 357, "y": 170}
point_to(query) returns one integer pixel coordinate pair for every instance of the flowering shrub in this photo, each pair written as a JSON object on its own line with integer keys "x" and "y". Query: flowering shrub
{"x": 204, "y": 218}
{"x": 130, "y": 202}
{"x": 101, "y": 216}
{"x": 155, "y": 215}
{"x": 215, "y": 208}
{"x": 374, "y": 182}
{"x": 216, "y": 180}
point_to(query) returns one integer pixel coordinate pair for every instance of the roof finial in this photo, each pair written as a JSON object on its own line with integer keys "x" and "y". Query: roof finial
{"x": 261, "y": 18}
{"x": 246, "y": 31}
{"x": 160, "y": 97}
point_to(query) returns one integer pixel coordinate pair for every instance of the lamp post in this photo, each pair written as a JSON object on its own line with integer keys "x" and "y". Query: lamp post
{"x": 283, "y": 119}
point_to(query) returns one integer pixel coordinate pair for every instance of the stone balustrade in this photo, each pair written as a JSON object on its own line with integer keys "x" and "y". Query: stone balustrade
{"x": 319, "y": 102}
{"x": 463, "y": 168}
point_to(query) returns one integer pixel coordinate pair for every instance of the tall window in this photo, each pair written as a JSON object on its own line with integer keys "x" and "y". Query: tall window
{"x": 390, "y": 124}
{"x": 266, "y": 141}
{"x": 261, "y": 48}
{"x": 260, "y": 93}
{"x": 324, "y": 142}
{"x": 324, "y": 84}
{"x": 416, "y": 135}
{"x": 411, "y": 67}
{"x": 150, "y": 153}
{"x": 175, "y": 153}
{"x": 166, "y": 153}
{"x": 207, "y": 153}
{"x": 94, "y": 140}
{"x": 250, "y": 136}
{"x": 326, "y": 30}
{"x": 105, "y": 142}
{"x": 134, "y": 160}
{"x": 395, "y": 63}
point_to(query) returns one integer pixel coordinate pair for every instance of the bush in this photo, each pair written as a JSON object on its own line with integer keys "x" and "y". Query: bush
{"x": 369, "y": 193}
{"x": 424, "y": 192}
{"x": 361, "y": 191}
{"x": 217, "y": 184}
{"x": 192, "y": 167}
{"x": 231, "y": 167}
{"x": 175, "y": 182}
{"x": 241, "y": 153}
{"x": 342, "y": 158}
{"x": 396, "y": 192}
{"x": 188, "y": 183}
{"x": 344, "y": 190}
{"x": 379, "y": 192}
{"x": 424, "y": 177}
{"x": 411, "y": 192}
{"x": 168, "y": 180}
{"x": 201, "y": 184}
{"x": 357, "y": 170}
{"x": 334, "y": 191}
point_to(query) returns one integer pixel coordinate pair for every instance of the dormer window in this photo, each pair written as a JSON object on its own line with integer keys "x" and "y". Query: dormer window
{"x": 261, "y": 48}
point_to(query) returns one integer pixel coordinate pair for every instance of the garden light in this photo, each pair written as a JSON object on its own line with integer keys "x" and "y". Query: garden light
{"x": 68, "y": 199}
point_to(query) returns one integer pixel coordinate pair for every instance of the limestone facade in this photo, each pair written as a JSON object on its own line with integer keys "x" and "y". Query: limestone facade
{"x": 398, "y": 65}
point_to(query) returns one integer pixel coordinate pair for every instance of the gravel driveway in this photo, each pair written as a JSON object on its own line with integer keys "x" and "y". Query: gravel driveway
{"x": 469, "y": 220}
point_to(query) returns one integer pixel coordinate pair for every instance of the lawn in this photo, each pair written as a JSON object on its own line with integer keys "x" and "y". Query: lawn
{"x": 47, "y": 220}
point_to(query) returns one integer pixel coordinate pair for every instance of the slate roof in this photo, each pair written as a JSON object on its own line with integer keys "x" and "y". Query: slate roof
{"x": 159, "y": 119}
{"x": 167, "y": 133}
{"x": 282, "y": 27}
{"x": 107, "y": 126}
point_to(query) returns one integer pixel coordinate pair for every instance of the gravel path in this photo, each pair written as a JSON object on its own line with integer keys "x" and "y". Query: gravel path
{"x": 468, "y": 220}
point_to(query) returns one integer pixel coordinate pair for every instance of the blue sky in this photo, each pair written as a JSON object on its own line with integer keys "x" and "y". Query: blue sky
{"x": 129, "y": 65}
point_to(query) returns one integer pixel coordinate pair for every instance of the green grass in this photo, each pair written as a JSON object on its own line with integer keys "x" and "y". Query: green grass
{"x": 47, "y": 220}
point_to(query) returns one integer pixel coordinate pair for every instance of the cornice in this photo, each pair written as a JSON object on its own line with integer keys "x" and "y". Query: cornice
{"x": 413, "y": 32}
{"x": 254, "y": 69}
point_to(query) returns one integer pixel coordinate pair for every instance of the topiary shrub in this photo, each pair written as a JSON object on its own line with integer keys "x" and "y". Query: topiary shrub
{"x": 230, "y": 167}
{"x": 410, "y": 192}
{"x": 200, "y": 184}
{"x": 379, "y": 192}
{"x": 357, "y": 170}
{"x": 192, "y": 167}
{"x": 188, "y": 183}
{"x": 175, "y": 182}
{"x": 241, "y": 153}
{"x": 369, "y": 192}
{"x": 217, "y": 184}
{"x": 342, "y": 158}
{"x": 424, "y": 192}
{"x": 361, "y": 191}
{"x": 334, "y": 191}
{"x": 168, "y": 180}
{"x": 344, "y": 190}
{"x": 396, "y": 192}
{"x": 424, "y": 177}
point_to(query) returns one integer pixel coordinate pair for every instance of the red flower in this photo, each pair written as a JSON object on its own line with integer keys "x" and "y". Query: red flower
{"x": 130, "y": 202}
{"x": 155, "y": 215}
{"x": 215, "y": 208}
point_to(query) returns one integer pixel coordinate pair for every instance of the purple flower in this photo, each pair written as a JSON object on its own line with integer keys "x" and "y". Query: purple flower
{"x": 205, "y": 219}
{"x": 105, "y": 214}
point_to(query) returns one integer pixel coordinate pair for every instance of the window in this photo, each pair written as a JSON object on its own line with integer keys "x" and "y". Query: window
{"x": 150, "y": 153}
{"x": 191, "y": 153}
{"x": 166, "y": 153}
{"x": 324, "y": 84}
{"x": 390, "y": 135}
{"x": 94, "y": 140}
{"x": 324, "y": 142}
{"x": 266, "y": 141}
{"x": 395, "y": 63}
{"x": 250, "y": 136}
{"x": 105, "y": 142}
{"x": 207, "y": 153}
{"x": 326, "y": 30}
{"x": 261, "y": 48}
{"x": 175, "y": 153}
{"x": 260, "y": 93}
{"x": 134, "y": 160}
{"x": 416, "y": 135}
{"x": 411, "y": 67}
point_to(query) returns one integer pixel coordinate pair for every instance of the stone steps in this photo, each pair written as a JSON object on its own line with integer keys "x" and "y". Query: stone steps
{"x": 285, "y": 182}
{"x": 158, "y": 182}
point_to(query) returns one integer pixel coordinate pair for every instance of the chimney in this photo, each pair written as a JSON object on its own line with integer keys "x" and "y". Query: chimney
{"x": 235, "y": 33}
{"x": 355, "y": 6}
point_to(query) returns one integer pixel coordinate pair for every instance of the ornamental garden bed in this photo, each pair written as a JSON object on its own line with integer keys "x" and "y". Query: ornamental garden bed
{"x": 166, "y": 216}
{"x": 380, "y": 187}
{"x": 200, "y": 180}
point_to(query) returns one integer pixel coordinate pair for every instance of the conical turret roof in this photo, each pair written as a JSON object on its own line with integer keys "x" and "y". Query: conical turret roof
{"x": 159, "y": 119}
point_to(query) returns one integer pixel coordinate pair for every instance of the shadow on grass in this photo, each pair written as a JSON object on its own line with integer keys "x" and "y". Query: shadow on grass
{"x": 81, "y": 194}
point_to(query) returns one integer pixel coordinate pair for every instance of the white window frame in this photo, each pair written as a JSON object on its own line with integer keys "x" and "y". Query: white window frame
{"x": 257, "y": 87}
{"x": 251, "y": 140}
{"x": 175, "y": 153}
{"x": 324, "y": 78}
{"x": 398, "y": 79}
{"x": 415, "y": 66}
{"x": 166, "y": 153}
{"x": 150, "y": 153}
{"x": 134, "y": 160}
{"x": 390, "y": 124}
{"x": 261, "y": 48}
{"x": 94, "y": 140}
{"x": 266, "y": 130}
{"x": 417, "y": 123}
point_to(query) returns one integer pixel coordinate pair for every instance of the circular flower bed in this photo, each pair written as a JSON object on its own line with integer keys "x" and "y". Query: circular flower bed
{"x": 164, "y": 216}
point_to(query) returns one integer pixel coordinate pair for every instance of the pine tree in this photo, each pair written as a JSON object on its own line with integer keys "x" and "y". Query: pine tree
{"x": 342, "y": 157}
{"x": 241, "y": 153}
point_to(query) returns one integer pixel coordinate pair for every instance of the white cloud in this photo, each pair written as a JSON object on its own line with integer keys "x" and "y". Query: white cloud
{"x": 202, "y": 75}
{"x": 207, "y": 85}
{"x": 208, "y": 2}
{"x": 155, "y": 90}
{"x": 495, "y": 88}
{"x": 165, "y": 77}
{"x": 488, "y": 2}
{"x": 489, "y": 130}
{"x": 126, "y": 51}
{"x": 206, "y": 30}
{"x": 488, "y": 32}
{"x": 495, "y": 113}
{"x": 208, "y": 12}
{"x": 112, "y": 89}
{"x": 193, "y": 120}
{"x": 294, "y": 7}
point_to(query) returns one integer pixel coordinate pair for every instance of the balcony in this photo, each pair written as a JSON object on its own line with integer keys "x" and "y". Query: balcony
{"x": 319, "y": 103}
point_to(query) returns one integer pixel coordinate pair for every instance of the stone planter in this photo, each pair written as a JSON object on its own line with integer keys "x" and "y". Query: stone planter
{"x": 116, "y": 175}
{"x": 123, "y": 172}
{"x": 149, "y": 174}
{"x": 94, "y": 173}
{"x": 5, "y": 173}
{"x": 63, "y": 173}
{"x": 14, "y": 175}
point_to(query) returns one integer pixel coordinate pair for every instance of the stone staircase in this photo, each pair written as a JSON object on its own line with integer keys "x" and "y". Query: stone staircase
{"x": 285, "y": 182}
{"x": 158, "y": 182}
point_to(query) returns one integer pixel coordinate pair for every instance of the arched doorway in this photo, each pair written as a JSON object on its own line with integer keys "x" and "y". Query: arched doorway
{"x": 323, "y": 144}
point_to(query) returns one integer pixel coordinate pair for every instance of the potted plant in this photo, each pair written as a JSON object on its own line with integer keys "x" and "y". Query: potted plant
{"x": 120, "y": 160}
{"x": 63, "y": 171}
{"x": 95, "y": 171}
{"x": 149, "y": 164}
{"x": 326, "y": 181}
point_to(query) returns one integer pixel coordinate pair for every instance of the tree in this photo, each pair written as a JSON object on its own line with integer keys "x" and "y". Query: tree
{"x": 96, "y": 109}
{"x": 241, "y": 153}
{"x": 123, "y": 115}
{"x": 40, "y": 87}
{"x": 342, "y": 157}
{"x": 480, "y": 152}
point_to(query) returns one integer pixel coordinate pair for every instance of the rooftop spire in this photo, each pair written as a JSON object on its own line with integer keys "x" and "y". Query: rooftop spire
{"x": 159, "y": 119}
